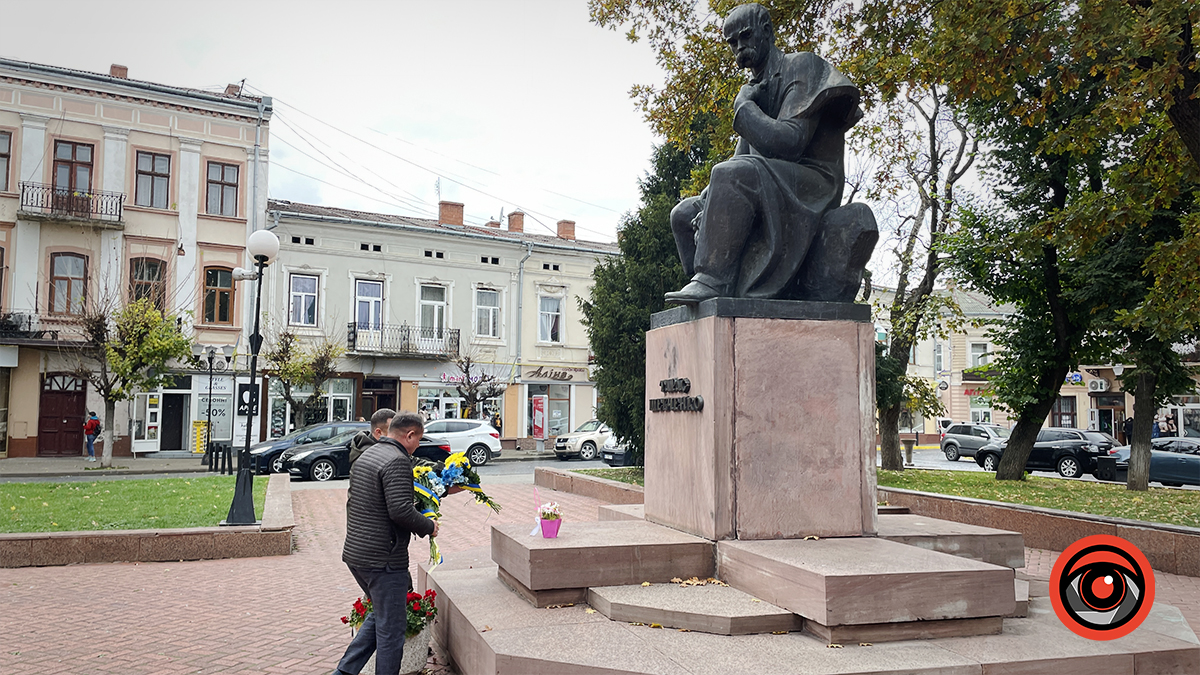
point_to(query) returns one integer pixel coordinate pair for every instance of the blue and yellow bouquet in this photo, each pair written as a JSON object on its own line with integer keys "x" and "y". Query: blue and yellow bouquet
{"x": 427, "y": 493}
{"x": 459, "y": 473}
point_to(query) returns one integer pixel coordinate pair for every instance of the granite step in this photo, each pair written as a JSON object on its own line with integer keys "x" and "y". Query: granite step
{"x": 709, "y": 608}
{"x": 989, "y": 545}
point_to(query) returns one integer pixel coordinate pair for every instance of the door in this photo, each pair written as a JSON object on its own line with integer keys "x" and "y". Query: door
{"x": 72, "y": 178}
{"x": 1105, "y": 423}
{"x": 61, "y": 416}
{"x": 432, "y": 318}
{"x": 1047, "y": 444}
{"x": 978, "y": 438}
{"x": 368, "y": 312}
{"x": 174, "y": 411}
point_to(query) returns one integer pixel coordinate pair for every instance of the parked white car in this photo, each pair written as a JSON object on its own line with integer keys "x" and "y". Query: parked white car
{"x": 478, "y": 438}
{"x": 584, "y": 442}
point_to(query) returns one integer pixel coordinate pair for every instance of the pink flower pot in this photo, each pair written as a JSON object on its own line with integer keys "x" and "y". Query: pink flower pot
{"x": 550, "y": 528}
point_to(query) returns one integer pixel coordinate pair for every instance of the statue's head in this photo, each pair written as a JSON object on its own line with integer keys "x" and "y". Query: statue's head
{"x": 749, "y": 34}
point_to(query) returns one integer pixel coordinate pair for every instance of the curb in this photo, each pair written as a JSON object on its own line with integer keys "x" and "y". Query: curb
{"x": 98, "y": 472}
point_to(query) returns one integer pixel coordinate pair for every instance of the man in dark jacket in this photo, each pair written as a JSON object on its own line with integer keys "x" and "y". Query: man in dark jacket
{"x": 365, "y": 439}
{"x": 380, "y": 518}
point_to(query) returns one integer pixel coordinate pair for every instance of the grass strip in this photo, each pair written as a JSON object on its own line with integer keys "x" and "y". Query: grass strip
{"x": 128, "y": 504}
{"x": 633, "y": 475}
{"x": 1157, "y": 505}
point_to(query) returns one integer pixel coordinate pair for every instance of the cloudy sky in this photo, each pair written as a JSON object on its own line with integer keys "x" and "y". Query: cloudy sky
{"x": 498, "y": 103}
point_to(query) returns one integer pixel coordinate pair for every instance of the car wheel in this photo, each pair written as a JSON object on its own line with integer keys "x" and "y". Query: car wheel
{"x": 322, "y": 470}
{"x": 588, "y": 451}
{"x": 990, "y": 463}
{"x": 1068, "y": 467}
{"x": 951, "y": 451}
{"x": 478, "y": 455}
{"x": 277, "y": 464}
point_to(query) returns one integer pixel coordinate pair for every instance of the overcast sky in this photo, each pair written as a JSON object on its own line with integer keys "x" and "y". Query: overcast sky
{"x": 514, "y": 103}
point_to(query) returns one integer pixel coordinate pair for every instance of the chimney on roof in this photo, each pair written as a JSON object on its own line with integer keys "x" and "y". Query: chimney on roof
{"x": 450, "y": 213}
{"x": 493, "y": 223}
{"x": 233, "y": 90}
{"x": 566, "y": 229}
{"x": 516, "y": 221}
{"x": 119, "y": 71}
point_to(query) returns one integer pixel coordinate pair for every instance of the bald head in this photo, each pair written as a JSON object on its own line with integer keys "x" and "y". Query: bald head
{"x": 750, "y": 35}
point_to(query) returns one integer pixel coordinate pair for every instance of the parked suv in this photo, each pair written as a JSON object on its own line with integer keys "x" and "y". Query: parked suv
{"x": 1070, "y": 452}
{"x": 478, "y": 438}
{"x": 963, "y": 440}
{"x": 584, "y": 443}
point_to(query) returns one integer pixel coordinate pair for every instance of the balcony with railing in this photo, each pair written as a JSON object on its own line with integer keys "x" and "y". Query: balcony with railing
{"x": 46, "y": 202}
{"x": 18, "y": 328}
{"x": 404, "y": 341}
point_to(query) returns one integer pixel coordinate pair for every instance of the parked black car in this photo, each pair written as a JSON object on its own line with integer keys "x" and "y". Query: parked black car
{"x": 616, "y": 452}
{"x": 964, "y": 440}
{"x": 1070, "y": 452}
{"x": 332, "y": 460}
{"x": 1173, "y": 461}
{"x": 265, "y": 456}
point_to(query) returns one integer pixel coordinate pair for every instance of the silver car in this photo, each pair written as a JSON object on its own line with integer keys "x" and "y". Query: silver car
{"x": 963, "y": 440}
{"x": 478, "y": 438}
{"x": 584, "y": 443}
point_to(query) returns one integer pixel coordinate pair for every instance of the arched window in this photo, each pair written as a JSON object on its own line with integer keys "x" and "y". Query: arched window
{"x": 68, "y": 283}
{"x": 218, "y": 295}
{"x": 147, "y": 279}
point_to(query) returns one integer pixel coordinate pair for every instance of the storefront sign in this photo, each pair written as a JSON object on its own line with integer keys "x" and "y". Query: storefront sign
{"x": 539, "y": 416}
{"x": 676, "y": 385}
{"x": 461, "y": 379}
{"x": 247, "y": 398}
{"x": 222, "y": 421}
{"x": 555, "y": 374}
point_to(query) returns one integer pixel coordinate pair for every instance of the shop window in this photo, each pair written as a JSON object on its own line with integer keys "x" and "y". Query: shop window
{"x": 487, "y": 313}
{"x": 549, "y": 319}
{"x": 304, "y": 300}
{"x": 558, "y": 407}
{"x": 218, "y": 296}
{"x": 147, "y": 279}
{"x": 68, "y": 283}
{"x": 981, "y": 409}
{"x": 1063, "y": 414}
{"x": 4, "y": 383}
{"x": 153, "y": 180}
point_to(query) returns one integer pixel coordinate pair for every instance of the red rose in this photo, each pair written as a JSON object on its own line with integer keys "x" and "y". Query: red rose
{"x": 414, "y": 596}
{"x": 431, "y": 593}
{"x": 416, "y": 606}
{"x": 345, "y": 619}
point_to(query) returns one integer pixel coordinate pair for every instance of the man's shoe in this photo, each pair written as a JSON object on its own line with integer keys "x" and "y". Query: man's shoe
{"x": 694, "y": 293}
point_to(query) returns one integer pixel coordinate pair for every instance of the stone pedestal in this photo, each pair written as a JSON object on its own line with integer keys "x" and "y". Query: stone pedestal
{"x": 783, "y": 444}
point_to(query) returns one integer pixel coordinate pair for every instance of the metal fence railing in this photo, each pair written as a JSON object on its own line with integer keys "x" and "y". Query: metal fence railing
{"x": 403, "y": 340}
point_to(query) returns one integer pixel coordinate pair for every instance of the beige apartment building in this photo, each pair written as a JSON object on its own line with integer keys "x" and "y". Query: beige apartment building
{"x": 114, "y": 188}
{"x": 407, "y": 296}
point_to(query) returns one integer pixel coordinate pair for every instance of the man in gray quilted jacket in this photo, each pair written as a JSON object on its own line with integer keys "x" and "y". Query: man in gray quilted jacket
{"x": 380, "y": 518}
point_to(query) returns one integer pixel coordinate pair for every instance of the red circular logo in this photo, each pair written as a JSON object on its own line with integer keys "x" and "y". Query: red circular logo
{"x": 1102, "y": 587}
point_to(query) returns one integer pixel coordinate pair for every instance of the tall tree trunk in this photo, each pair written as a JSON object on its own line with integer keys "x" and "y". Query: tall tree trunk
{"x": 889, "y": 438}
{"x": 110, "y": 415}
{"x": 1143, "y": 418}
{"x": 1024, "y": 434}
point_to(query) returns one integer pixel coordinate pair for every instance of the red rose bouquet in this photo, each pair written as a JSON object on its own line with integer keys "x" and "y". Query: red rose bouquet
{"x": 421, "y": 611}
{"x": 361, "y": 610}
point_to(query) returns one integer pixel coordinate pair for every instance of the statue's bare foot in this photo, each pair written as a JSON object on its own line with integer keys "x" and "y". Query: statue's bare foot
{"x": 694, "y": 293}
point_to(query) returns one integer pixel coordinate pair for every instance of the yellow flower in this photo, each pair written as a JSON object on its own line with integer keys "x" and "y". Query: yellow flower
{"x": 458, "y": 459}
{"x": 419, "y": 471}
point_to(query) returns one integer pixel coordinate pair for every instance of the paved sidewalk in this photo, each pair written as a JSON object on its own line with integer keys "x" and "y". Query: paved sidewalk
{"x": 43, "y": 467}
{"x": 266, "y": 615}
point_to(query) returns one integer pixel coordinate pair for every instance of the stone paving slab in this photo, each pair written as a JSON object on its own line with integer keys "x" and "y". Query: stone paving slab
{"x": 990, "y": 545}
{"x": 710, "y": 609}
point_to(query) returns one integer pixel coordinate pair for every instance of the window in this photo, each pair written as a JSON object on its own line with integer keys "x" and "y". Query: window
{"x": 487, "y": 313}
{"x": 435, "y": 254}
{"x": 72, "y": 167}
{"x": 304, "y": 300}
{"x": 153, "y": 178}
{"x": 368, "y": 304}
{"x": 912, "y": 354}
{"x": 979, "y": 355}
{"x": 5, "y": 158}
{"x": 218, "y": 296}
{"x": 937, "y": 357}
{"x": 433, "y": 311}
{"x": 486, "y": 260}
{"x": 1063, "y": 413}
{"x": 222, "y": 189}
{"x": 147, "y": 279}
{"x": 549, "y": 319}
{"x": 68, "y": 283}
{"x": 550, "y": 267}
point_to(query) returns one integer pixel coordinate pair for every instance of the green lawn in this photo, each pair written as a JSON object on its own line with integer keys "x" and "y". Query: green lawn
{"x": 1158, "y": 505}
{"x": 131, "y": 504}
{"x": 628, "y": 474}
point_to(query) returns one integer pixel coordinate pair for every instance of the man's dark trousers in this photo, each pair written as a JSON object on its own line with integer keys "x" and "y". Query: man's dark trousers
{"x": 383, "y": 631}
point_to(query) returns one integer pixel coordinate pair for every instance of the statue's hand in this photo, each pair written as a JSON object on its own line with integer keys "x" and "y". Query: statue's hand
{"x": 747, "y": 94}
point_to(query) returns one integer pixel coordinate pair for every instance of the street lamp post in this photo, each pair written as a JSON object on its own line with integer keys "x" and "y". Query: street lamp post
{"x": 209, "y": 354}
{"x": 263, "y": 246}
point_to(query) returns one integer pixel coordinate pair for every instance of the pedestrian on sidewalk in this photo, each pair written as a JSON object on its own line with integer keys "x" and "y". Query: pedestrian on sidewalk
{"x": 91, "y": 429}
{"x": 380, "y": 519}
{"x": 1128, "y": 429}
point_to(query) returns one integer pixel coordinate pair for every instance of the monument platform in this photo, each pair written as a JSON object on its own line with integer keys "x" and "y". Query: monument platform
{"x": 986, "y": 544}
{"x": 710, "y": 608}
{"x": 487, "y": 629}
